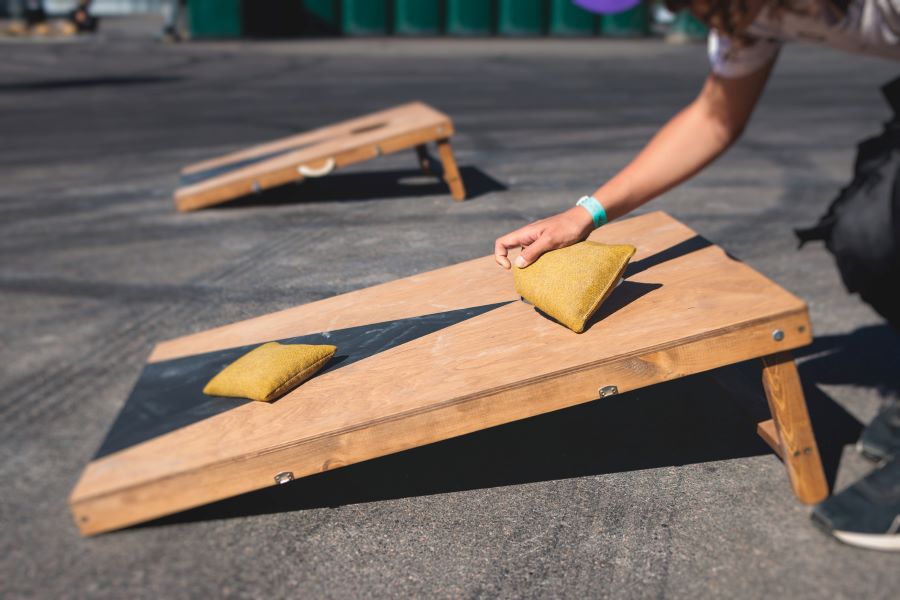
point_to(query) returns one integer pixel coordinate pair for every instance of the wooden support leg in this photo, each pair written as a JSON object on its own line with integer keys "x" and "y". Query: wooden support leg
{"x": 451, "y": 172}
{"x": 792, "y": 432}
{"x": 424, "y": 159}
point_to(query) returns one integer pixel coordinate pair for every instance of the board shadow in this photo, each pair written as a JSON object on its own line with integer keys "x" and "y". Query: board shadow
{"x": 687, "y": 421}
{"x": 368, "y": 185}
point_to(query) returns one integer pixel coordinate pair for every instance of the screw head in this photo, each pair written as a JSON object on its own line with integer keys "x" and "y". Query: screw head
{"x": 778, "y": 335}
{"x": 284, "y": 477}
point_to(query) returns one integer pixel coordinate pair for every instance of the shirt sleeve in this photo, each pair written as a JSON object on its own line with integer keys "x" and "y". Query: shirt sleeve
{"x": 730, "y": 60}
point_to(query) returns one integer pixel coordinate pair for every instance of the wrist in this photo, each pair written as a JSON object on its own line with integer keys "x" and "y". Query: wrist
{"x": 582, "y": 219}
{"x": 594, "y": 209}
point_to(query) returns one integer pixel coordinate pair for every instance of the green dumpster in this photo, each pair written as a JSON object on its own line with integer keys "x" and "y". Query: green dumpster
{"x": 566, "y": 19}
{"x": 686, "y": 28}
{"x": 215, "y": 18}
{"x": 417, "y": 17}
{"x": 320, "y": 17}
{"x": 634, "y": 22}
{"x": 364, "y": 17}
{"x": 469, "y": 17}
{"x": 520, "y": 17}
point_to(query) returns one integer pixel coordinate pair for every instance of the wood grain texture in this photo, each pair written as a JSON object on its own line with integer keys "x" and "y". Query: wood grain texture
{"x": 346, "y": 143}
{"x": 793, "y": 428}
{"x": 678, "y": 313}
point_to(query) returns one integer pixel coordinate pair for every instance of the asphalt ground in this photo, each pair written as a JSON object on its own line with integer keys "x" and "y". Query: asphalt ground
{"x": 664, "y": 492}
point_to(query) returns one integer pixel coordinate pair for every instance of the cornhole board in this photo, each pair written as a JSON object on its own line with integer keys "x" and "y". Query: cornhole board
{"x": 439, "y": 355}
{"x": 319, "y": 152}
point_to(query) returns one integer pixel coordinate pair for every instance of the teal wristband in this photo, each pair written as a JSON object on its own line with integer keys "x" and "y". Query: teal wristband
{"x": 593, "y": 206}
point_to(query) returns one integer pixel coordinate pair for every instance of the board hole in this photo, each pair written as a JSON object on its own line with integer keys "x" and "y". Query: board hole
{"x": 367, "y": 128}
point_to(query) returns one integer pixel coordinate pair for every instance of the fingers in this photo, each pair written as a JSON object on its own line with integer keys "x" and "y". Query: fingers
{"x": 518, "y": 238}
{"x": 533, "y": 251}
{"x": 559, "y": 231}
{"x": 500, "y": 254}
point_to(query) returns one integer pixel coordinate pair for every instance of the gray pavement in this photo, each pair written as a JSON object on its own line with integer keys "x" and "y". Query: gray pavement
{"x": 665, "y": 492}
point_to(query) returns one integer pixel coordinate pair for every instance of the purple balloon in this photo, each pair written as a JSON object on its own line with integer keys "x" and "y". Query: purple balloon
{"x": 606, "y": 7}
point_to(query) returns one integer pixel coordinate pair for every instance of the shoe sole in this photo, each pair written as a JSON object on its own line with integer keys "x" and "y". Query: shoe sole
{"x": 872, "y": 541}
{"x": 869, "y": 454}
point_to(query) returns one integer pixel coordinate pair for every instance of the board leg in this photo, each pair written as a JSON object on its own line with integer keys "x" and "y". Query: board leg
{"x": 451, "y": 172}
{"x": 792, "y": 428}
{"x": 424, "y": 159}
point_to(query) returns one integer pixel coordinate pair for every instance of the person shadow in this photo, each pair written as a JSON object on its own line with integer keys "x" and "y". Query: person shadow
{"x": 867, "y": 357}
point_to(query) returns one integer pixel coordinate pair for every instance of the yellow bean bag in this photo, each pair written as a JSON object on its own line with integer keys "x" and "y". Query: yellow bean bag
{"x": 571, "y": 283}
{"x": 269, "y": 371}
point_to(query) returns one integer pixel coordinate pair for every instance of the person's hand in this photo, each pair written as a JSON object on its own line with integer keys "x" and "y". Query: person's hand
{"x": 551, "y": 233}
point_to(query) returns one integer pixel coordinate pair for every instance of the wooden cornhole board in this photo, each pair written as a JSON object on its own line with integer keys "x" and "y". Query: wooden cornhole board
{"x": 442, "y": 354}
{"x": 319, "y": 152}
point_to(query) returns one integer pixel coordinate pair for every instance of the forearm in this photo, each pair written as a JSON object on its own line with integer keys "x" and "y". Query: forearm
{"x": 688, "y": 142}
{"x": 691, "y": 140}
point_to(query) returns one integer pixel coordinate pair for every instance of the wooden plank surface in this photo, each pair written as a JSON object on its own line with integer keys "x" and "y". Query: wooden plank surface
{"x": 278, "y": 162}
{"x": 685, "y": 307}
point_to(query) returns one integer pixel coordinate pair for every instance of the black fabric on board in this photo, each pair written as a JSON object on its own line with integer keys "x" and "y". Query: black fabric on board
{"x": 169, "y": 394}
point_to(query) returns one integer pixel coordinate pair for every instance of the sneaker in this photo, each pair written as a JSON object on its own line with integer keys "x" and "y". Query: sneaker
{"x": 866, "y": 514}
{"x": 880, "y": 441}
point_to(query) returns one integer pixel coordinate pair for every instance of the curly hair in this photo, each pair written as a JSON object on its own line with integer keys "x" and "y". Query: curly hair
{"x": 731, "y": 16}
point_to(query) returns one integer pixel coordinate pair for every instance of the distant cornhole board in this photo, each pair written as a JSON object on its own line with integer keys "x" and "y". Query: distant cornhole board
{"x": 442, "y": 354}
{"x": 319, "y": 152}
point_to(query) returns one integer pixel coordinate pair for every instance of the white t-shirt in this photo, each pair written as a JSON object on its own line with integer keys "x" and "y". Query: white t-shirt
{"x": 869, "y": 26}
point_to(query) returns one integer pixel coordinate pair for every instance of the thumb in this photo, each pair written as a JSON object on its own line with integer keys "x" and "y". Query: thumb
{"x": 533, "y": 251}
